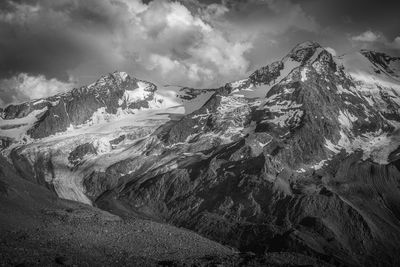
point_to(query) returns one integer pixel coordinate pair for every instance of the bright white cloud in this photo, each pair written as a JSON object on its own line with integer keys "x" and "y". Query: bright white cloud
{"x": 24, "y": 87}
{"x": 206, "y": 50}
{"x": 367, "y": 36}
{"x": 168, "y": 44}
{"x": 378, "y": 41}
{"x": 183, "y": 47}
{"x": 396, "y": 42}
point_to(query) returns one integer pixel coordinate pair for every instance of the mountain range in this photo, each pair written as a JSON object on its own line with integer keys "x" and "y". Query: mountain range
{"x": 303, "y": 156}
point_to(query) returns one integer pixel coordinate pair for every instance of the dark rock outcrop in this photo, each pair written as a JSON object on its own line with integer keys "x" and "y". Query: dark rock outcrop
{"x": 381, "y": 61}
{"x": 80, "y": 152}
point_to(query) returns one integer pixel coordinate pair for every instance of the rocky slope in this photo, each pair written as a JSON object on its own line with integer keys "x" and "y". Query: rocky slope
{"x": 38, "y": 229}
{"x": 302, "y": 156}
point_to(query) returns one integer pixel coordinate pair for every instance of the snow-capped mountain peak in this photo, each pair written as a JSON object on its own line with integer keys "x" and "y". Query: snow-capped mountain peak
{"x": 116, "y": 77}
{"x": 304, "y": 51}
{"x": 258, "y": 84}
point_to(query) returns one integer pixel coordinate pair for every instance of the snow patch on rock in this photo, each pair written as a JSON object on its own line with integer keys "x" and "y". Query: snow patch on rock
{"x": 303, "y": 73}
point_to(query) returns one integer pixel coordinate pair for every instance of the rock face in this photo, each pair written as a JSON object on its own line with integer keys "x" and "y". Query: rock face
{"x": 383, "y": 62}
{"x": 80, "y": 152}
{"x": 301, "y": 156}
{"x": 77, "y": 107}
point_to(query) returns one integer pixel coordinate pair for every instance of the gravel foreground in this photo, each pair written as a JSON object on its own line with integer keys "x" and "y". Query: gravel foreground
{"x": 80, "y": 235}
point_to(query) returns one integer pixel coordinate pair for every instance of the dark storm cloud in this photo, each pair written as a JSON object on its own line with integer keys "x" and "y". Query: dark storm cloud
{"x": 39, "y": 37}
{"x": 37, "y": 52}
{"x": 341, "y": 22}
{"x": 356, "y": 14}
{"x": 357, "y": 19}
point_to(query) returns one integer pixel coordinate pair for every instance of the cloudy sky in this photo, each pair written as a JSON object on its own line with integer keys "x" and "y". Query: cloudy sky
{"x": 49, "y": 46}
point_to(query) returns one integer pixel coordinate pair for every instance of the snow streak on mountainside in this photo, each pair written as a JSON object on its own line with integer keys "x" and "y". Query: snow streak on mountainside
{"x": 304, "y": 153}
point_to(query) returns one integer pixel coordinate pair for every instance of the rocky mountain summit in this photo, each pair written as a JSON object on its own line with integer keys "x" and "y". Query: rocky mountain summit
{"x": 303, "y": 156}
